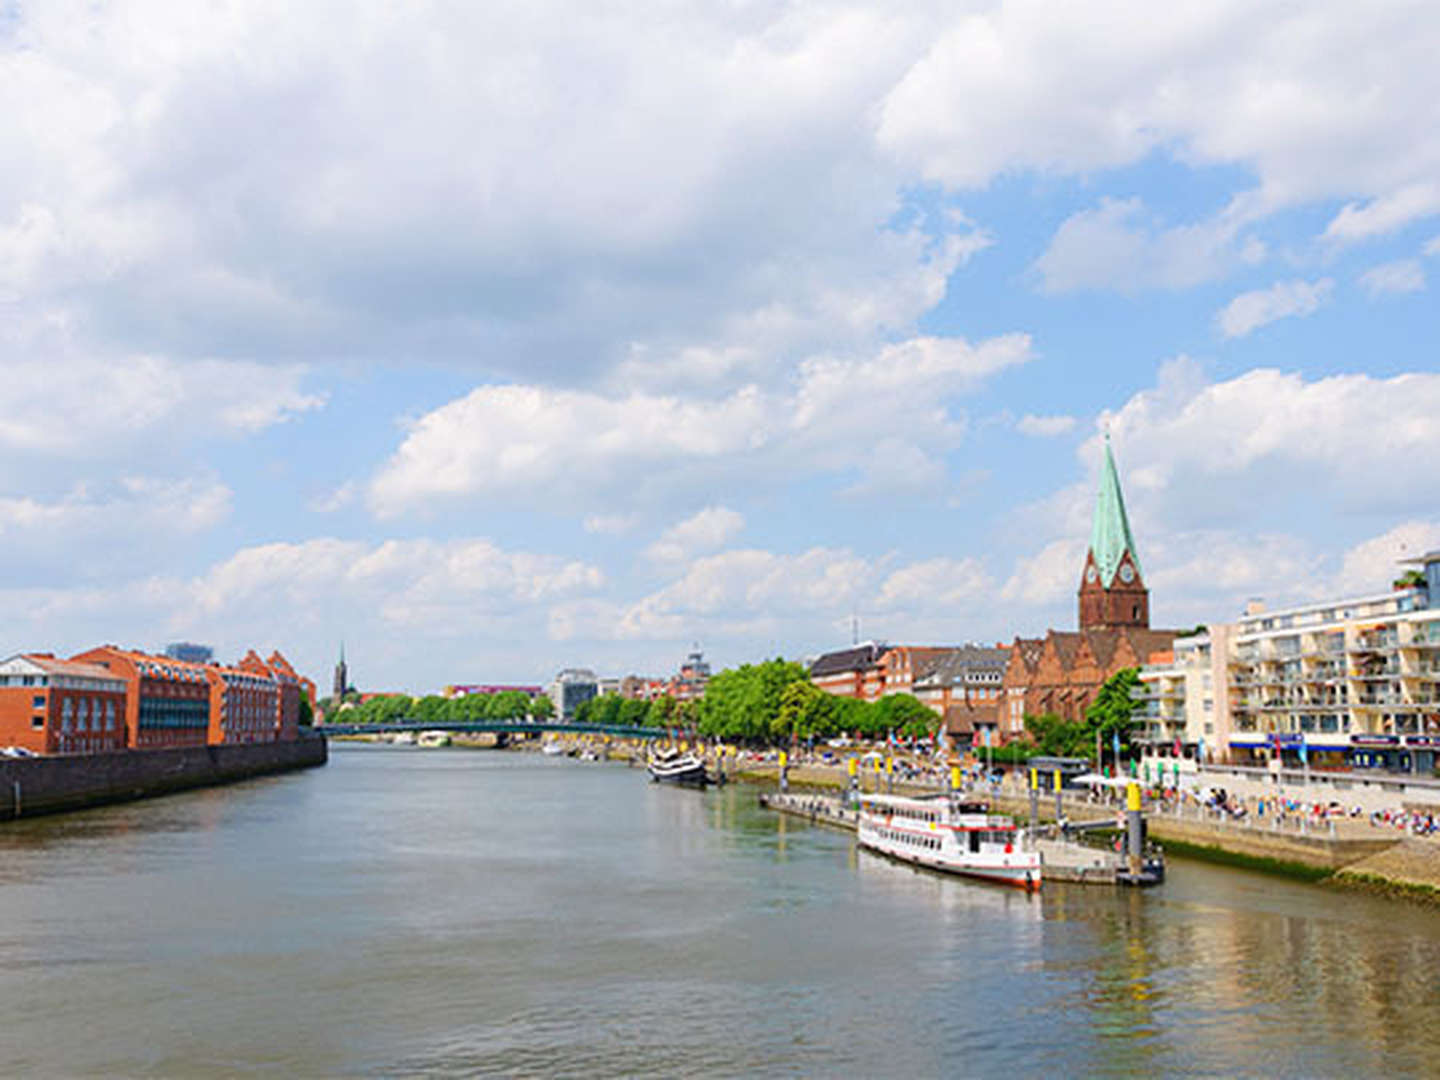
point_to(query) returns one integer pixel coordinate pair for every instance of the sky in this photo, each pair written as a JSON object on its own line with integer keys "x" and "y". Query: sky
{"x": 492, "y": 339}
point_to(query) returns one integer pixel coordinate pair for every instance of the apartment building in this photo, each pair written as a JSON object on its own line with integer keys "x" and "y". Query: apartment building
{"x": 1184, "y": 697}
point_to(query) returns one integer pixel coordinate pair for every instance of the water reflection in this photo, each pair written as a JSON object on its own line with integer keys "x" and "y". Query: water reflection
{"x": 453, "y": 912}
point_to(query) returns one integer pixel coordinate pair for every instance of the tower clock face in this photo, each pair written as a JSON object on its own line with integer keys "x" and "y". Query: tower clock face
{"x": 1127, "y": 573}
{"x": 1091, "y": 574}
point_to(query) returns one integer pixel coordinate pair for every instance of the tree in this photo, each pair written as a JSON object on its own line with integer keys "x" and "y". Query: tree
{"x": 307, "y": 712}
{"x": 1112, "y": 712}
{"x": 605, "y": 709}
{"x": 661, "y": 712}
{"x": 541, "y": 707}
{"x": 744, "y": 702}
{"x": 634, "y": 712}
{"x": 906, "y": 715}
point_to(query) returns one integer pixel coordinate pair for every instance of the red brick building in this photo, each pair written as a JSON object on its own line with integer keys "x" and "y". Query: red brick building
{"x": 51, "y": 706}
{"x": 244, "y": 704}
{"x": 1062, "y": 672}
{"x": 288, "y": 690}
{"x": 167, "y": 702}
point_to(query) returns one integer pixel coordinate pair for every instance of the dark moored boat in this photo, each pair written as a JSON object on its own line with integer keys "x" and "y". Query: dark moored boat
{"x": 673, "y": 767}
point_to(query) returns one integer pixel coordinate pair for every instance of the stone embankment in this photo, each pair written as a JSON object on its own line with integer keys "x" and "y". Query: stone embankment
{"x": 1409, "y": 869}
{"x": 1355, "y": 856}
{"x": 49, "y": 785}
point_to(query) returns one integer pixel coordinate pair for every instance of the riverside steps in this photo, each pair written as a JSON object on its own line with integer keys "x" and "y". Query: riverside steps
{"x": 55, "y": 784}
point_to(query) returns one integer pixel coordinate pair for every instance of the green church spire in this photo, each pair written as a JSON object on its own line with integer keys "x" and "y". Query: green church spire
{"x": 1110, "y": 533}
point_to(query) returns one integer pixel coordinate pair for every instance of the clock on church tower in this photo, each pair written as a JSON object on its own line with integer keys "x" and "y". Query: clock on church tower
{"x": 1112, "y": 590}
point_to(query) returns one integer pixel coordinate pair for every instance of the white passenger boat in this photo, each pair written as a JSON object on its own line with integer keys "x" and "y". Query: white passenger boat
{"x": 673, "y": 767}
{"x": 944, "y": 834}
{"x": 554, "y": 749}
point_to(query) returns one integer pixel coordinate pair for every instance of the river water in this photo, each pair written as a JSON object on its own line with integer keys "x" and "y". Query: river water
{"x": 436, "y": 912}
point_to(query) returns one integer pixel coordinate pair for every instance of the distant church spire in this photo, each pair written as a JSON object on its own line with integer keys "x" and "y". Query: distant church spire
{"x": 1112, "y": 591}
{"x": 342, "y": 674}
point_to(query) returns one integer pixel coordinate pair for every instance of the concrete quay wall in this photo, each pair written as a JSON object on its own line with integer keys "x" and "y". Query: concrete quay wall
{"x": 1318, "y": 852}
{"x": 49, "y": 785}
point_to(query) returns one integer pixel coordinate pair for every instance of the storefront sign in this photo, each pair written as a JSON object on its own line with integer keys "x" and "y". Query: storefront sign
{"x": 1374, "y": 740}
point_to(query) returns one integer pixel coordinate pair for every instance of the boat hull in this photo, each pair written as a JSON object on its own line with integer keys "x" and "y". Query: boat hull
{"x": 690, "y": 776}
{"x": 1027, "y": 877}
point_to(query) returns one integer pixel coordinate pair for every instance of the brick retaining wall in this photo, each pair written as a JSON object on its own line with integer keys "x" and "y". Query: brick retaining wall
{"x": 47, "y": 785}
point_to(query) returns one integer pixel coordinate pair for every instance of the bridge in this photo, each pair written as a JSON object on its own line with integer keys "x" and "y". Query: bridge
{"x": 498, "y": 727}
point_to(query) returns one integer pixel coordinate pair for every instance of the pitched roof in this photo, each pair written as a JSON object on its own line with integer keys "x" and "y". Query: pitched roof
{"x": 1110, "y": 536}
{"x": 858, "y": 658}
{"x": 950, "y": 666}
{"x": 1066, "y": 643}
{"x": 76, "y": 669}
{"x": 963, "y": 719}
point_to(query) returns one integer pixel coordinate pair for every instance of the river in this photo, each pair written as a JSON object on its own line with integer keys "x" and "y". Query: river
{"x": 452, "y": 913}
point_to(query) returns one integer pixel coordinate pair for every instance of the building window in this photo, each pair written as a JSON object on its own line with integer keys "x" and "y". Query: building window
{"x": 38, "y": 720}
{"x": 38, "y": 701}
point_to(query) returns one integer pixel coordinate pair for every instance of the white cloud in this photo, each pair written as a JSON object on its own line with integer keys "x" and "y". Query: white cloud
{"x": 1270, "y": 442}
{"x": 137, "y": 504}
{"x": 1370, "y": 566}
{"x": 81, "y": 407}
{"x": 1401, "y": 276}
{"x": 433, "y": 604}
{"x": 957, "y": 584}
{"x": 1285, "y": 299}
{"x": 337, "y": 499}
{"x": 1048, "y": 578}
{"x": 529, "y": 439}
{"x": 1118, "y": 246}
{"x": 609, "y": 524}
{"x": 710, "y": 528}
{"x": 1318, "y": 102}
{"x": 1383, "y": 215}
{"x": 1045, "y": 427}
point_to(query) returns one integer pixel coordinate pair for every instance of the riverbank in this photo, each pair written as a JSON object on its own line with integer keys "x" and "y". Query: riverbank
{"x": 52, "y": 785}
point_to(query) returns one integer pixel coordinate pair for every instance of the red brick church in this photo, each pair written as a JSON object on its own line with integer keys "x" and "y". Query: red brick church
{"x": 1061, "y": 672}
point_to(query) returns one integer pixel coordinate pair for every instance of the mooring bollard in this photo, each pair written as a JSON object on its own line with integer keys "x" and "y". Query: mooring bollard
{"x": 1134, "y": 827}
{"x": 1034, "y": 800}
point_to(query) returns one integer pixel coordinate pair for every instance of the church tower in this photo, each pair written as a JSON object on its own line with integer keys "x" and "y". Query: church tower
{"x": 342, "y": 675}
{"x": 1112, "y": 592}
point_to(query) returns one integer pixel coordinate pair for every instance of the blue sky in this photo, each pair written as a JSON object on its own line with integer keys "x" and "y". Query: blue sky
{"x": 505, "y": 339}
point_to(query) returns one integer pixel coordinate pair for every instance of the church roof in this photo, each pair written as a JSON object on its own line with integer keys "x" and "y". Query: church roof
{"x": 1110, "y": 536}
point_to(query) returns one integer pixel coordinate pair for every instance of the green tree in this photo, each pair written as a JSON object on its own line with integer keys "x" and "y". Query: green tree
{"x": 633, "y": 712}
{"x": 744, "y": 702}
{"x": 906, "y": 715}
{"x": 1113, "y": 710}
{"x": 507, "y": 705}
{"x": 430, "y": 709}
{"x": 605, "y": 709}
{"x": 541, "y": 707}
{"x": 307, "y": 712}
{"x": 661, "y": 712}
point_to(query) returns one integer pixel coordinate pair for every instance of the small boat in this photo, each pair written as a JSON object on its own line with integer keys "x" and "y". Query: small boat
{"x": 554, "y": 749}
{"x": 434, "y": 738}
{"x": 673, "y": 767}
{"x": 404, "y": 738}
{"x": 942, "y": 833}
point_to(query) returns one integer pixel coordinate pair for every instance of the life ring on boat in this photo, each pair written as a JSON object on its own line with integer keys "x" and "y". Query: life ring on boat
{"x": 1009, "y": 849}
